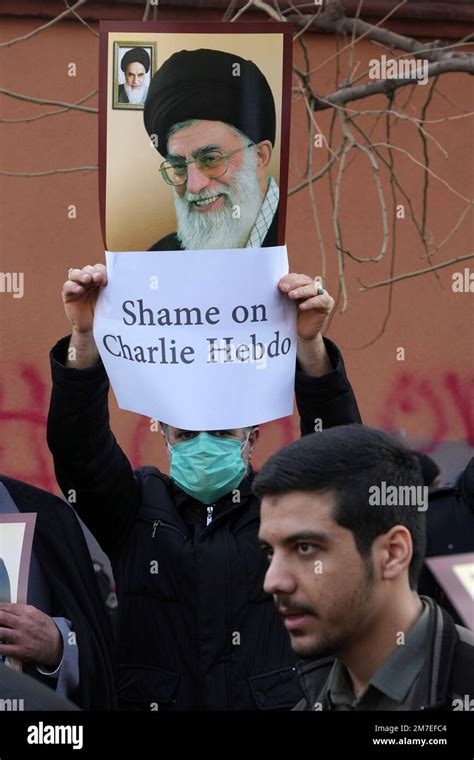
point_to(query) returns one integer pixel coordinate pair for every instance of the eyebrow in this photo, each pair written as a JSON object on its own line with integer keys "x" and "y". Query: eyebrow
{"x": 303, "y": 535}
{"x": 205, "y": 149}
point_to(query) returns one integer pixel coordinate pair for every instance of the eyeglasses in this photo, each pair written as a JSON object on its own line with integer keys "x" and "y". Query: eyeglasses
{"x": 212, "y": 164}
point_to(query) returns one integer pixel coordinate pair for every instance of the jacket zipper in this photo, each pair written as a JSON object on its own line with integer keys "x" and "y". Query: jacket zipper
{"x": 157, "y": 523}
{"x": 210, "y": 510}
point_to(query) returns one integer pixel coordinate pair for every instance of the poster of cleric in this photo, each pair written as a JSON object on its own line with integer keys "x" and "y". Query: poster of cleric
{"x": 194, "y": 124}
{"x": 194, "y": 133}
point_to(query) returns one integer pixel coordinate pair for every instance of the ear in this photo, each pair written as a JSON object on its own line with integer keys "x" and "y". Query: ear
{"x": 264, "y": 153}
{"x": 254, "y": 436}
{"x": 394, "y": 551}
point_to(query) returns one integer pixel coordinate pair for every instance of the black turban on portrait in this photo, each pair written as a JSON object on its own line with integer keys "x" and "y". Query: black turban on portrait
{"x": 135, "y": 55}
{"x": 207, "y": 84}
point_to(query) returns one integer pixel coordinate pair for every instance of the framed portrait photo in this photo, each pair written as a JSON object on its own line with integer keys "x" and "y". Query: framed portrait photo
{"x": 134, "y": 65}
{"x": 216, "y": 122}
{"x": 16, "y": 542}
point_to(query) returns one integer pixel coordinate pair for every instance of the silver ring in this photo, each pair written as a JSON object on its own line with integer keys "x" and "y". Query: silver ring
{"x": 319, "y": 287}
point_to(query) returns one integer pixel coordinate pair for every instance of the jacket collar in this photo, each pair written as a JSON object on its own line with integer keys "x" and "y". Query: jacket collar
{"x": 432, "y": 691}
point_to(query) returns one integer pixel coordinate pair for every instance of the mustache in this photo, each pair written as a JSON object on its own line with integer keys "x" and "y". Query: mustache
{"x": 286, "y": 606}
{"x": 189, "y": 197}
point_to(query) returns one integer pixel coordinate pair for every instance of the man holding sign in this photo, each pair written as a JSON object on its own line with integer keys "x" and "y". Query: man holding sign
{"x": 195, "y": 628}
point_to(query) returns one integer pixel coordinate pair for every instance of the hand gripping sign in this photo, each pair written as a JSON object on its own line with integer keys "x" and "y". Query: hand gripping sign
{"x": 214, "y": 349}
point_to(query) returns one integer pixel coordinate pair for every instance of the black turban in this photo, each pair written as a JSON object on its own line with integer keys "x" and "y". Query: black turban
{"x": 135, "y": 55}
{"x": 201, "y": 84}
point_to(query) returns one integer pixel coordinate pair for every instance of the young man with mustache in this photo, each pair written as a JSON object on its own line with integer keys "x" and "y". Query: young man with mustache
{"x": 343, "y": 573}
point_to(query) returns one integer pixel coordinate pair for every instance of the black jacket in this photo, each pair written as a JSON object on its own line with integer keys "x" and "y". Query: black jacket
{"x": 445, "y": 681}
{"x": 171, "y": 243}
{"x": 21, "y": 692}
{"x": 62, "y": 552}
{"x": 449, "y": 530}
{"x": 196, "y": 630}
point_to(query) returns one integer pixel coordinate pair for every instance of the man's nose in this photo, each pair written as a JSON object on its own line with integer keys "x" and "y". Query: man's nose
{"x": 279, "y": 579}
{"x": 196, "y": 180}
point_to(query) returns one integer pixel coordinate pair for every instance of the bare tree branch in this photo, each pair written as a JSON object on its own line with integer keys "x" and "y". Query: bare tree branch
{"x": 451, "y": 232}
{"x": 48, "y": 113}
{"x": 42, "y": 101}
{"x": 430, "y": 171}
{"x": 50, "y": 171}
{"x": 274, "y": 14}
{"x": 39, "y": 29}
{"x": 408, "y": 275}
{"x": 387, "y": 86}
{"x": 336, "y": 10}
{"x": 393, "y": 191}
{"x": 146, "y": 12}
{"x": 79, "y": 18}
{"x": 318, "y": 174}
{"x": 242, "y": 10}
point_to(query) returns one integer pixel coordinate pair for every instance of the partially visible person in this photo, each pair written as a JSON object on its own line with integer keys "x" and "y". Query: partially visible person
{"x": 135, "y": 64}
{"x": 62, "y": 636}
{"x": 430, "y": 470}
{"x": 450, "y": 529}
{"x": 344, "y": 563}
{"x": 19, "y": 692}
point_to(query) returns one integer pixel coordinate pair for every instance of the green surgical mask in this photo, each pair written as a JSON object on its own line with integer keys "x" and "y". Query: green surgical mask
{"x": 207, "y": 467}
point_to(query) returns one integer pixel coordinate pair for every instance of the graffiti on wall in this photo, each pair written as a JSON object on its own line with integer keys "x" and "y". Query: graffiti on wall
{"x": 447, "y": 403}
{"x": 444, "y": 404}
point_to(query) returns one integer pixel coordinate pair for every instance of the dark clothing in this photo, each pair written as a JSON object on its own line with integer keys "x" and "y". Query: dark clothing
{"x": 122, "y": 95}
{"x": 5, "y": 588}
{"x": 445, "y": 677}
{"x": 171, "y": 243}
{"x": 61, "y": 551}
{"x": 450, "y": 517}
{"x": 20, "y": 692}
{"x": 450, "y": 530}
{"x": 393, "y": 684}
{"x": 195, "y": 628}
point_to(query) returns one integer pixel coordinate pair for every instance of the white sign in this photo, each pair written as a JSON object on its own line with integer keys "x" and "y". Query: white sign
{"x": 201, "y": 340}
{"x": 465, "y": 573}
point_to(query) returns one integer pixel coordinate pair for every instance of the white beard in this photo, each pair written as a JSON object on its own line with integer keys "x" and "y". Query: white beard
{"x": 219, "y": 229}
{"x": 136, "y": 95}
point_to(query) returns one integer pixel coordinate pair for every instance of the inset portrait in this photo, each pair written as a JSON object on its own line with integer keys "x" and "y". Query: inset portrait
{"x": 133, "y": 69}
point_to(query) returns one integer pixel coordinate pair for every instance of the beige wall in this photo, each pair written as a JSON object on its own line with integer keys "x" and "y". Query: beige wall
{"x": 429, "y": 396}
{"x": 140, "y": 208}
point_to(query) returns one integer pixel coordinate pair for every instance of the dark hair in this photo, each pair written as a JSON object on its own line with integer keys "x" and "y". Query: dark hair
{"x": 349, "y": 460}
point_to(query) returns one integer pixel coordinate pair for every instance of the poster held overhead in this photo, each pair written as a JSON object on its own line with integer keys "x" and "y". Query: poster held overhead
{"x": 231, "y": 85}
{"x": 193, "y": 176}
